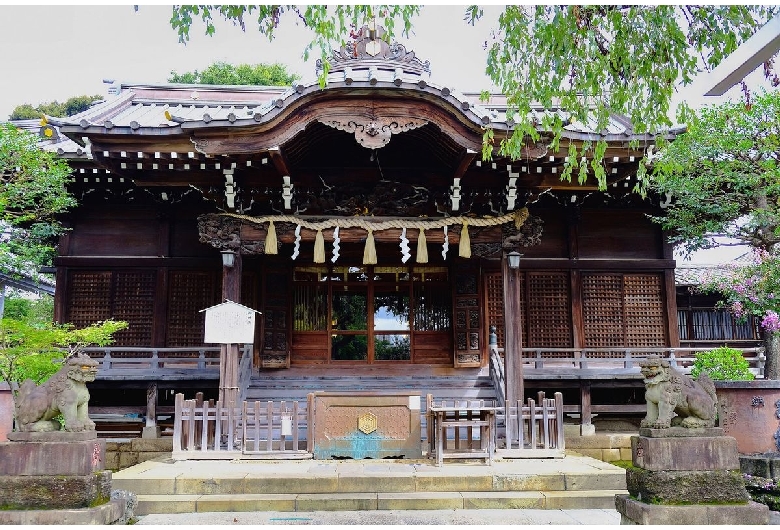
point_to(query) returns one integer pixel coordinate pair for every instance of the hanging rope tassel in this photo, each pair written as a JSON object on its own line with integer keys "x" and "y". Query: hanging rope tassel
{"x": 422, "y": 248}
{"x": 369, "y": 254}
{"x": 270, "y": 240}
{"x": 319, "y": 248}
{"x": 464, "y": 250}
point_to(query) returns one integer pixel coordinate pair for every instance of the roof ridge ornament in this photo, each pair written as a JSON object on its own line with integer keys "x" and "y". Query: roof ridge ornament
{"x": 368, "y": 48}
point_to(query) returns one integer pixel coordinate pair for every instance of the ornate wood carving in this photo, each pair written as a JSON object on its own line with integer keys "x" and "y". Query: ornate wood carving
{"x": 219, "y": 231}
{"x": 528, "y": 235}
{"x": 375, "y": 132}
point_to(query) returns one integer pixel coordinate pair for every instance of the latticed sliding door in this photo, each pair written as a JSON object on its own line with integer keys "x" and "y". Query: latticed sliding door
{"x": 549, "y": 310}
{"x": 623, "y": 310}
{"x": 133, "y": 302}
{"x": 189, "y": 292}
{"x": 94, "y": 296}
{"x": 645, "y": 310}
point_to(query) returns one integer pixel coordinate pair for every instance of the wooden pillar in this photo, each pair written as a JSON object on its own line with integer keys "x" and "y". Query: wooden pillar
{"x": 228, "y": 356}
{"x": 513, "y": 334}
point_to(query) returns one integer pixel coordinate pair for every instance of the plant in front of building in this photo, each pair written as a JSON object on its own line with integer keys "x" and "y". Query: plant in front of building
{"x": 722, "y": 364}
{"x": 753, "y": 289}
{"x": 29, "y": 350}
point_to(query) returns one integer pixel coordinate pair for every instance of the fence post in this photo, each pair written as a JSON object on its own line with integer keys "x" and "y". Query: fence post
{"x": 107, "y": 363}
{"x": 559, "y": 420}
{"x": 201, "y": 359}
{"x": 178, "y": 404}
{"x": 310, "y": 423}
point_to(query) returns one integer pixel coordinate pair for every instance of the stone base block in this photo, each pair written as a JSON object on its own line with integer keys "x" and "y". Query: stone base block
{"x": 680, "y": 432}
{"x": 704, "y": 453}
{"x": 151, "y": 432}
{"x": 686, "y": 487}
{"x": 52, "y": 436}
{"x": 82, "y": 457}
{"x": 118, "y": 510}
{"x": 635, "y": 512}
{"x": 26, "y": 492}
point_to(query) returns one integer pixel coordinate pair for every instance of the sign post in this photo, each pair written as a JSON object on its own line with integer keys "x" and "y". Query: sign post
{"x": 230, "y": 324}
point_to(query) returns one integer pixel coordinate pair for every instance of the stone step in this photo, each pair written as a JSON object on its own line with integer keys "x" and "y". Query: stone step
{"x": 436, "y": 500}
{"x": 400, "y": 481}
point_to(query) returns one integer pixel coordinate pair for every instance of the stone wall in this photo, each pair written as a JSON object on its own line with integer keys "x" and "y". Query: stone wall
{"x": 605, "y": 446}
{"x": 121, "y": 454}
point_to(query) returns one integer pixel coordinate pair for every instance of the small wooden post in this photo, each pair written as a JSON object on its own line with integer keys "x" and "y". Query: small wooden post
{"x": 151, "y": 405}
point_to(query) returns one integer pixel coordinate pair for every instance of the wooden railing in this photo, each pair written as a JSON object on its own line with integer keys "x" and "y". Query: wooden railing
{"x": 207, "y": 430}
{"x": 620, "y": 358}
{"x": 146, "y": 363}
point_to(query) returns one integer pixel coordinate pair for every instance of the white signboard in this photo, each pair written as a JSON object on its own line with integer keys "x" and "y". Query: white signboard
{"x": 230, "y": 323}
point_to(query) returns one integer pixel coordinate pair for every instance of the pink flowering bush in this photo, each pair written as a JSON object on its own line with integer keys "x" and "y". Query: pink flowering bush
{"x": 751, "y": 289}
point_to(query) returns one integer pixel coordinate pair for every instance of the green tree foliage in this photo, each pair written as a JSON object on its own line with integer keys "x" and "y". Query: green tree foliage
{"x": 38, "y": 312}
{"x": 723, "y": 176}
{"x": 221, "y": 73}
{"x": 31, "y": 351}
{"x": 56, "y": 109}
{"x": 590, "y": 61}
{"x": 31, "y": 196}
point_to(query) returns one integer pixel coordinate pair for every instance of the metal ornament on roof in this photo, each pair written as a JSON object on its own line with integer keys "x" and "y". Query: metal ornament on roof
{"x": 368, "y": 45}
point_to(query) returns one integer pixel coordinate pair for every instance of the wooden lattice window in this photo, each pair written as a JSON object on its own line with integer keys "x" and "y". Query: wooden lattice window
{"x": 190, "y": 291}
{"x": 644, "y": 305}
{"x": 549, "y": 310}
{"x": 133, "y": 302}
{"x": 623, "y": 310}
{"x": 602, "y": 310}
{"x": 89, "y": 297}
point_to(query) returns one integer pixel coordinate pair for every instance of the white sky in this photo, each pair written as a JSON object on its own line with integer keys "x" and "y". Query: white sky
{"x": 61, "y": 51}
{"x": 54, "y": 52}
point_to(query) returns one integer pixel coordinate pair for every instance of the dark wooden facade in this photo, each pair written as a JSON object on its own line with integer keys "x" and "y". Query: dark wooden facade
{"x": 178, "y": 174}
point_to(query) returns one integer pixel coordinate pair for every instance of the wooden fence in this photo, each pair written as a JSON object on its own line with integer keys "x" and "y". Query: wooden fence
{"x": 536, "y": 428}
{"x": 207, "y": 430}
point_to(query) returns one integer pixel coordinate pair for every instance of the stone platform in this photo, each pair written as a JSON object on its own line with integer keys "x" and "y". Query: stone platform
{"x": 58, "y": 478}
{"x": 686, "y": 476}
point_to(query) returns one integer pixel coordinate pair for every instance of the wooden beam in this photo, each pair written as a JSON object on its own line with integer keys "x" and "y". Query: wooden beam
{"x": 279, "y": 161}
{"x": 513, "y": 334}
{"x": 465, "y": 162}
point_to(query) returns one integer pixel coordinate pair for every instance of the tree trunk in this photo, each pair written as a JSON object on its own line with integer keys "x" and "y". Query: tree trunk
{"x": 772, "y": 346}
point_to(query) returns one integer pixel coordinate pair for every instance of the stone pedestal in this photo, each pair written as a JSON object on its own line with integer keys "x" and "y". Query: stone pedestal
{"x": 686, "y": 476}
{"x": 53, "y": 477}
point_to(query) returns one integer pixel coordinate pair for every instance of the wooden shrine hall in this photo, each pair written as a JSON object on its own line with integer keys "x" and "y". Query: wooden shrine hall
{"x": 363, "y": 224}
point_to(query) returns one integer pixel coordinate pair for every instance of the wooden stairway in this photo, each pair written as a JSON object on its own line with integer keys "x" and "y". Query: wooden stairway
{"x": 444, "y": 383}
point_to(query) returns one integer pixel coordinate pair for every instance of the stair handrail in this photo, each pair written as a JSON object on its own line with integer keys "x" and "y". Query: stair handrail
{"x": 497, "y": 368}
{"x": 244, "y": 371}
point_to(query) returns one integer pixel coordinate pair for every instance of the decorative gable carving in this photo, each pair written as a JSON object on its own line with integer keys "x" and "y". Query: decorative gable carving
{"x": 372, "y": 132}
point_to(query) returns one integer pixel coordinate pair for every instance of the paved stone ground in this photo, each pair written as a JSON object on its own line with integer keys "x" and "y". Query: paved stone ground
{"x": 391, "y": 517}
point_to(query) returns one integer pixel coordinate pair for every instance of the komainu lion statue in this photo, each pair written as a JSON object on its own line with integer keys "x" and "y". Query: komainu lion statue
{"x": 669, "y": 392}
{"x": 64, "y": 393}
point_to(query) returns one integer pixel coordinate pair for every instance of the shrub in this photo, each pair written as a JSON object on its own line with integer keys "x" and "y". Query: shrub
{"x": 722, "y": 364}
